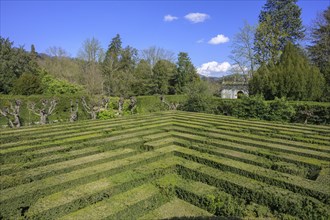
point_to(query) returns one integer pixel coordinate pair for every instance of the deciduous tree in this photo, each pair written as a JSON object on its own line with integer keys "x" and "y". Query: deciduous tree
{"x": 153, "y": 54}
{"x": 91, "y": 54}
{"x": 242, "y": 53}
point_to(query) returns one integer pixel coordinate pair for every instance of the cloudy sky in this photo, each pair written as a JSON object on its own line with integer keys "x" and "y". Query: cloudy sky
{"x": 202, "y": 28}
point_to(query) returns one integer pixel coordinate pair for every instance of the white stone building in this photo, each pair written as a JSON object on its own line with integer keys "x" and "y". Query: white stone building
{"x": 233, "y": 90}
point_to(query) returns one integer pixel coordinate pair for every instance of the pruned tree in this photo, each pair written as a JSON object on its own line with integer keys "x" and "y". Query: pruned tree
{"x": 74, "y": 111}
{"x": 45, "y": 111}
{"x": 95, "y": 107}
{"x": 12, "y": 111}
{"x": 91, "y": 110}
{"x": 132, "y": 104}
{"x": 171, "y": 106}
{"x": 105, "y": 102}
{"x": 121, "y": 104}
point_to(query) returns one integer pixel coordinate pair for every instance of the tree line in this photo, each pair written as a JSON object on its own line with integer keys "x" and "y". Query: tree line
{"x": 119, "y": 71}
{"x": 271, "y": 56}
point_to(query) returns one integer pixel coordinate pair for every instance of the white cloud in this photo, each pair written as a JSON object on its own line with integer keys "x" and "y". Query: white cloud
{"x": 213, "y": 68}
{"x": 170, "y": 18}
{"x": 219, "y": 39}
{"x": 200, "y": 41}
{"x": 197, "y": 17}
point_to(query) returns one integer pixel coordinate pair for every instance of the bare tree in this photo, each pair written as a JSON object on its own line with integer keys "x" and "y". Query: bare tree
{"x": 57, "y": 52}
{"x": 12, "y": 111}
{"x": 242, "y": 53}
{"x": 153, "y": 54}
{"x": 91, "y": 110}
{"x": 132, "y": 105}
{"x": 121, "y": 104}
{"x": 95, "y": 107}
{"x": 74, "y": 111}
{"x": 171, "y": 106}
{"x": 45, "y": 111}
{"x": 92, "y": 55}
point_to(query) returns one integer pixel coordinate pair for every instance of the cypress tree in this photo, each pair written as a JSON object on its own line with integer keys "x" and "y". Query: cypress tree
{"x": 292, "y": 77}
{"x": 186, "y": 72}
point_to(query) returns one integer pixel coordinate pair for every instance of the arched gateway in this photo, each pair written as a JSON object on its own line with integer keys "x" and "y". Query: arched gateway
{"x": 233, "y": 90}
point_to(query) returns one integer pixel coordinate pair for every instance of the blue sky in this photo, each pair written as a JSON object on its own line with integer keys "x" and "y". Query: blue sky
{"x": 141, "y": 24}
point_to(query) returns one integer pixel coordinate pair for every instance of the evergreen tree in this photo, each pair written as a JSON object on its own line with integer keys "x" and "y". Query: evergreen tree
{"x": 186, "y": 72}
{"x": 292, "y": 77}
{"x": 143, "y": 84}
{"x": 111, "y": 63}
{"x": 13, "y": 63}
{"x": 279, "y": 22}
{"x": 319, "y": 51}
{"x": 163, "y": 71}
{"x": 33, "y": 50}
{"x": 122, "y": 80}
{"x": 27, "y": 84}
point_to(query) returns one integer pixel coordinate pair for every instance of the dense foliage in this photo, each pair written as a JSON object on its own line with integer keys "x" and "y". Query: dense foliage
{"x": 319, "y": 49}
{"x": 14, "y": 62}
{"x": 279, "y": 23}
{"x": 292, "y": 77}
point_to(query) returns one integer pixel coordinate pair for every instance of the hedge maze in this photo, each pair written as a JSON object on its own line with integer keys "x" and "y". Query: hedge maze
{"x": 166, "y": 165}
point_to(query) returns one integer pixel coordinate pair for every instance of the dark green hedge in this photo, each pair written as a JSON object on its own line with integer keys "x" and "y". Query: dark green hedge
{"x": 247, "y": 107}
{"x": 302, "y": 207}
{"x": 276, "y": 110}
{"x": 145, "y": 104}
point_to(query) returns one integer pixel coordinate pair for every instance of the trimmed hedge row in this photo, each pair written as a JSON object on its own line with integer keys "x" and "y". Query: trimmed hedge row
{"x": 256, "y": 143}
{"x": 311, "y": 137}
{"x": 248, "y": 107}
{"x": 251, "y": 159}
{"x": 202, "y": 126}
{"x": 302, "y": 207}
{"x": 98, "y": 145}
{"x": 254, "y": 174}
{"x": 10, "y": 205}
{"x": 278, "y": 110}
{"x": 121, "y": 185}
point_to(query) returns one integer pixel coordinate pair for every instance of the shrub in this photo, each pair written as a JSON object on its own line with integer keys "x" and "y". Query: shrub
{"x": 281, "y": 110}
{"x": 106, "y": 114}
{"x": 27, "y": 84}
{"x": 54, "y": 86}
{"x": 251, "y": 107}
{"x": 199, "y": 98}
{"x": 311, "y": 112}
